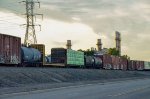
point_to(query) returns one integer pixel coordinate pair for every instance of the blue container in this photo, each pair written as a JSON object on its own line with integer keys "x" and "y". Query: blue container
{"x": 30, "y": 54}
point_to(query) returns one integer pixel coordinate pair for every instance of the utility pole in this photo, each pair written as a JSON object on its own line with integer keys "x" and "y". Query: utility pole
{"x": 30, "y": 36}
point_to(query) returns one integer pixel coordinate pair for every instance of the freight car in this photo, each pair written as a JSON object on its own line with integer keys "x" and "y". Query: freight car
{"x": 30, "y": 57}
{"x": 93, "y": 62}
{"x": 146, "y": 65}
{"x": 123, "y": 64}
{"x": 10, "y": 53}
{"x": 67, "y": 57}
{"x": 136, "y": 65}
{"x": 106, "y": 61}
{"x": 115, "y": 62}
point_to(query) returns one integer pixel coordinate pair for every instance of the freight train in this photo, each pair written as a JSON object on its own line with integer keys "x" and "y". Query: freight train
{"x": 13, "y": 54}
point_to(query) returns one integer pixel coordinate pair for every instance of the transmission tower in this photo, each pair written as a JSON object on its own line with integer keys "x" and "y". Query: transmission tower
{"x": 30, "y": 36}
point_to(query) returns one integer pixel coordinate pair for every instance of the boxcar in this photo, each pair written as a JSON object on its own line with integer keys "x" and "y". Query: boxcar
{"x": 106, "y": 61}
{"x": 115, "y": 62}
{"x": 139, "y": 65}
{"x": 10, "y": 50}
{"x": 123, "y": 64}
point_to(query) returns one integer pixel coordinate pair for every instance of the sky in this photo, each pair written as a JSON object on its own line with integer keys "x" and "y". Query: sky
{"x": 83, "y": 22}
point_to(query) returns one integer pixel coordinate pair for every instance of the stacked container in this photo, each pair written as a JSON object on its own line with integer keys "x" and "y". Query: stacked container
{"x": 10, "y": 49}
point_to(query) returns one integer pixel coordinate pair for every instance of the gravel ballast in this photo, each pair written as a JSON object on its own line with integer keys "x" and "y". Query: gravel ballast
{"x": 15, "y": 77}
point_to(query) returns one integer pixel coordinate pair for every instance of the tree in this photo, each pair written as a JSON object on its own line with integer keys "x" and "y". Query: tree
{"x": 87, "y": 52}
{"x": 126, "y": 57}
{"x": 113, "y": 51}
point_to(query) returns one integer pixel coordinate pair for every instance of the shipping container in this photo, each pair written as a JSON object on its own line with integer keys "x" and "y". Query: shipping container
{"x": 75, "y": 58}
{"x": 41, "y": 48}
{"x": 147, "y": 65}
{"x": 10, "y": 49}
{"x": 67, "y": 56}
{"x": 58, "y": 56}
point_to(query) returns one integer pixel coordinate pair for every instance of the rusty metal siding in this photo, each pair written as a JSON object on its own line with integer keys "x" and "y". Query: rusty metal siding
{"x": 123, "y": 64}
{"x": 115, "y": 62}
{"x": 107, "y": 61}
{"x": 140, "y": 65}
{"x": 10, "y": 49}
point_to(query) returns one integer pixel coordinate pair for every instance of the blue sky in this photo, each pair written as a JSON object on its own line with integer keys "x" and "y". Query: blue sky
{"x": 84, "y": 21}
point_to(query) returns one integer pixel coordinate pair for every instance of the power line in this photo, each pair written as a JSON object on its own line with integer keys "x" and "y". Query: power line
{"x": 8, "y": 18}
{"x": 10, "y": 22}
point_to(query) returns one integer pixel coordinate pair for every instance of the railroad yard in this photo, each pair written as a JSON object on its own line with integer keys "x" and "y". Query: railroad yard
{"x": 44, "y": 66}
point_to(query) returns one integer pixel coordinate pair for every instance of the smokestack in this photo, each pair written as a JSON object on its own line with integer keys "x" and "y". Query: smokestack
{"x": 99, "y": 44}
{"x": 68, "y": 44}
{"x": 118, "y": 42}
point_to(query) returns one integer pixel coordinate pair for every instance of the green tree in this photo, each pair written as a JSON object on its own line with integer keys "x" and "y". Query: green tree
{"x": 113, "y": 51}
{"x": 87, "y": 52}
{"x": 126, "y": 57}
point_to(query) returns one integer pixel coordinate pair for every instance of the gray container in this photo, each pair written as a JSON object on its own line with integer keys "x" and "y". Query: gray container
{"x": 30, "y": 54}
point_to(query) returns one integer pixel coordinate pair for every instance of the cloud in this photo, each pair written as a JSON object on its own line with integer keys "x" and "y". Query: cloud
{"x": 97, "y": 18}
